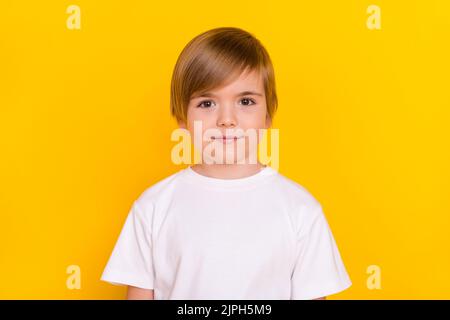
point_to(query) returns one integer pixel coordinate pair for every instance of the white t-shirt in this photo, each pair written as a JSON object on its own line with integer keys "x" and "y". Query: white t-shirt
{"x": 193, "y": 237}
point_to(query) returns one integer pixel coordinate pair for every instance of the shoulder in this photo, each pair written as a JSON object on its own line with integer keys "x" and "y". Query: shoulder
{"x": 295, "y": 193}
{"x": 304, "y": 207}
{"x": 158, "y": 192}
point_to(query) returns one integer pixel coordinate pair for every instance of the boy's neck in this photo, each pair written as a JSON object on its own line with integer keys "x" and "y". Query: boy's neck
{"x": 228, "y": 171}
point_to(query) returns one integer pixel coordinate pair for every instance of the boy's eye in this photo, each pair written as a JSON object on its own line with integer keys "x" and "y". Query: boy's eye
{"x": 205, "y": 104}
{"x": 248, "y": 101}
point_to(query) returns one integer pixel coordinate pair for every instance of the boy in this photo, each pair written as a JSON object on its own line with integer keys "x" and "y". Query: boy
{"x": 226, "y": 230}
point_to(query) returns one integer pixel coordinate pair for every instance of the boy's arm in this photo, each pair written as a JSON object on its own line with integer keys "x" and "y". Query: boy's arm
{"x": 322, "y": 298}
{"x": 135, "y": 293}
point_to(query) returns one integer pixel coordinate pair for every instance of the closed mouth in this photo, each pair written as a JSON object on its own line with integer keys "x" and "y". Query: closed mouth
{"x": 226, "y": 138}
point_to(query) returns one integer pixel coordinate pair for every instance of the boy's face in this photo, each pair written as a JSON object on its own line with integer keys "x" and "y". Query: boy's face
{"x": 238, "y": 105}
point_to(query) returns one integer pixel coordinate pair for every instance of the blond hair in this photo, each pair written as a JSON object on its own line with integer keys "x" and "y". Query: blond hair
{"x": 214, "y": 58}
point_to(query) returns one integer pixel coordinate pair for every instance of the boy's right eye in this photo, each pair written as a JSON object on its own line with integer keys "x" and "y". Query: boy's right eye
{"x": 205, "y": 104}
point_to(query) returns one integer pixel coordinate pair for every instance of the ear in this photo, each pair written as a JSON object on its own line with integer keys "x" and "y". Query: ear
{"x": 182, "y": 124}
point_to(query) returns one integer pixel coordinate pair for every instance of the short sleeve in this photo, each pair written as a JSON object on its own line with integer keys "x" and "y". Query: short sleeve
{"x": 319, "y": 270}
{"x": 131, "y": 260}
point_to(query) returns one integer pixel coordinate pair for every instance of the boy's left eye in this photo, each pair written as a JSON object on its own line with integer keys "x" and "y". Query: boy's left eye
{"x": 248, "y": 101}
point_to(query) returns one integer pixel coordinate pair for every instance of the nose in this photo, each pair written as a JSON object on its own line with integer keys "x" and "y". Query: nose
{"x": 226, "y": 118}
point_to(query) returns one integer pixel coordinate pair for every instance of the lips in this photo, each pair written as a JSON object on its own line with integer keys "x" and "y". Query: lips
{"x": 226, "y": 139}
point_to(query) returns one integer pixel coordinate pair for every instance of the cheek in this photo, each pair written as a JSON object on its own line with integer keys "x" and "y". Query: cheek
{"x": 255, "y": 119}
{"x": 206, "y": 119}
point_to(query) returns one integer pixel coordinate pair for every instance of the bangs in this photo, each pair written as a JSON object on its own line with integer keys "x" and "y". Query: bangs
{"x": 218, "y": 65}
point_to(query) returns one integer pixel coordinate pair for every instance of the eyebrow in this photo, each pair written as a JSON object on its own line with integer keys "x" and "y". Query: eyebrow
{"x": 243, "y": 93}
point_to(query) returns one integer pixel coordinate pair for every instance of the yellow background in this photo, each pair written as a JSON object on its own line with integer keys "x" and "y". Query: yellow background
{"x": 85, "y": 128}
